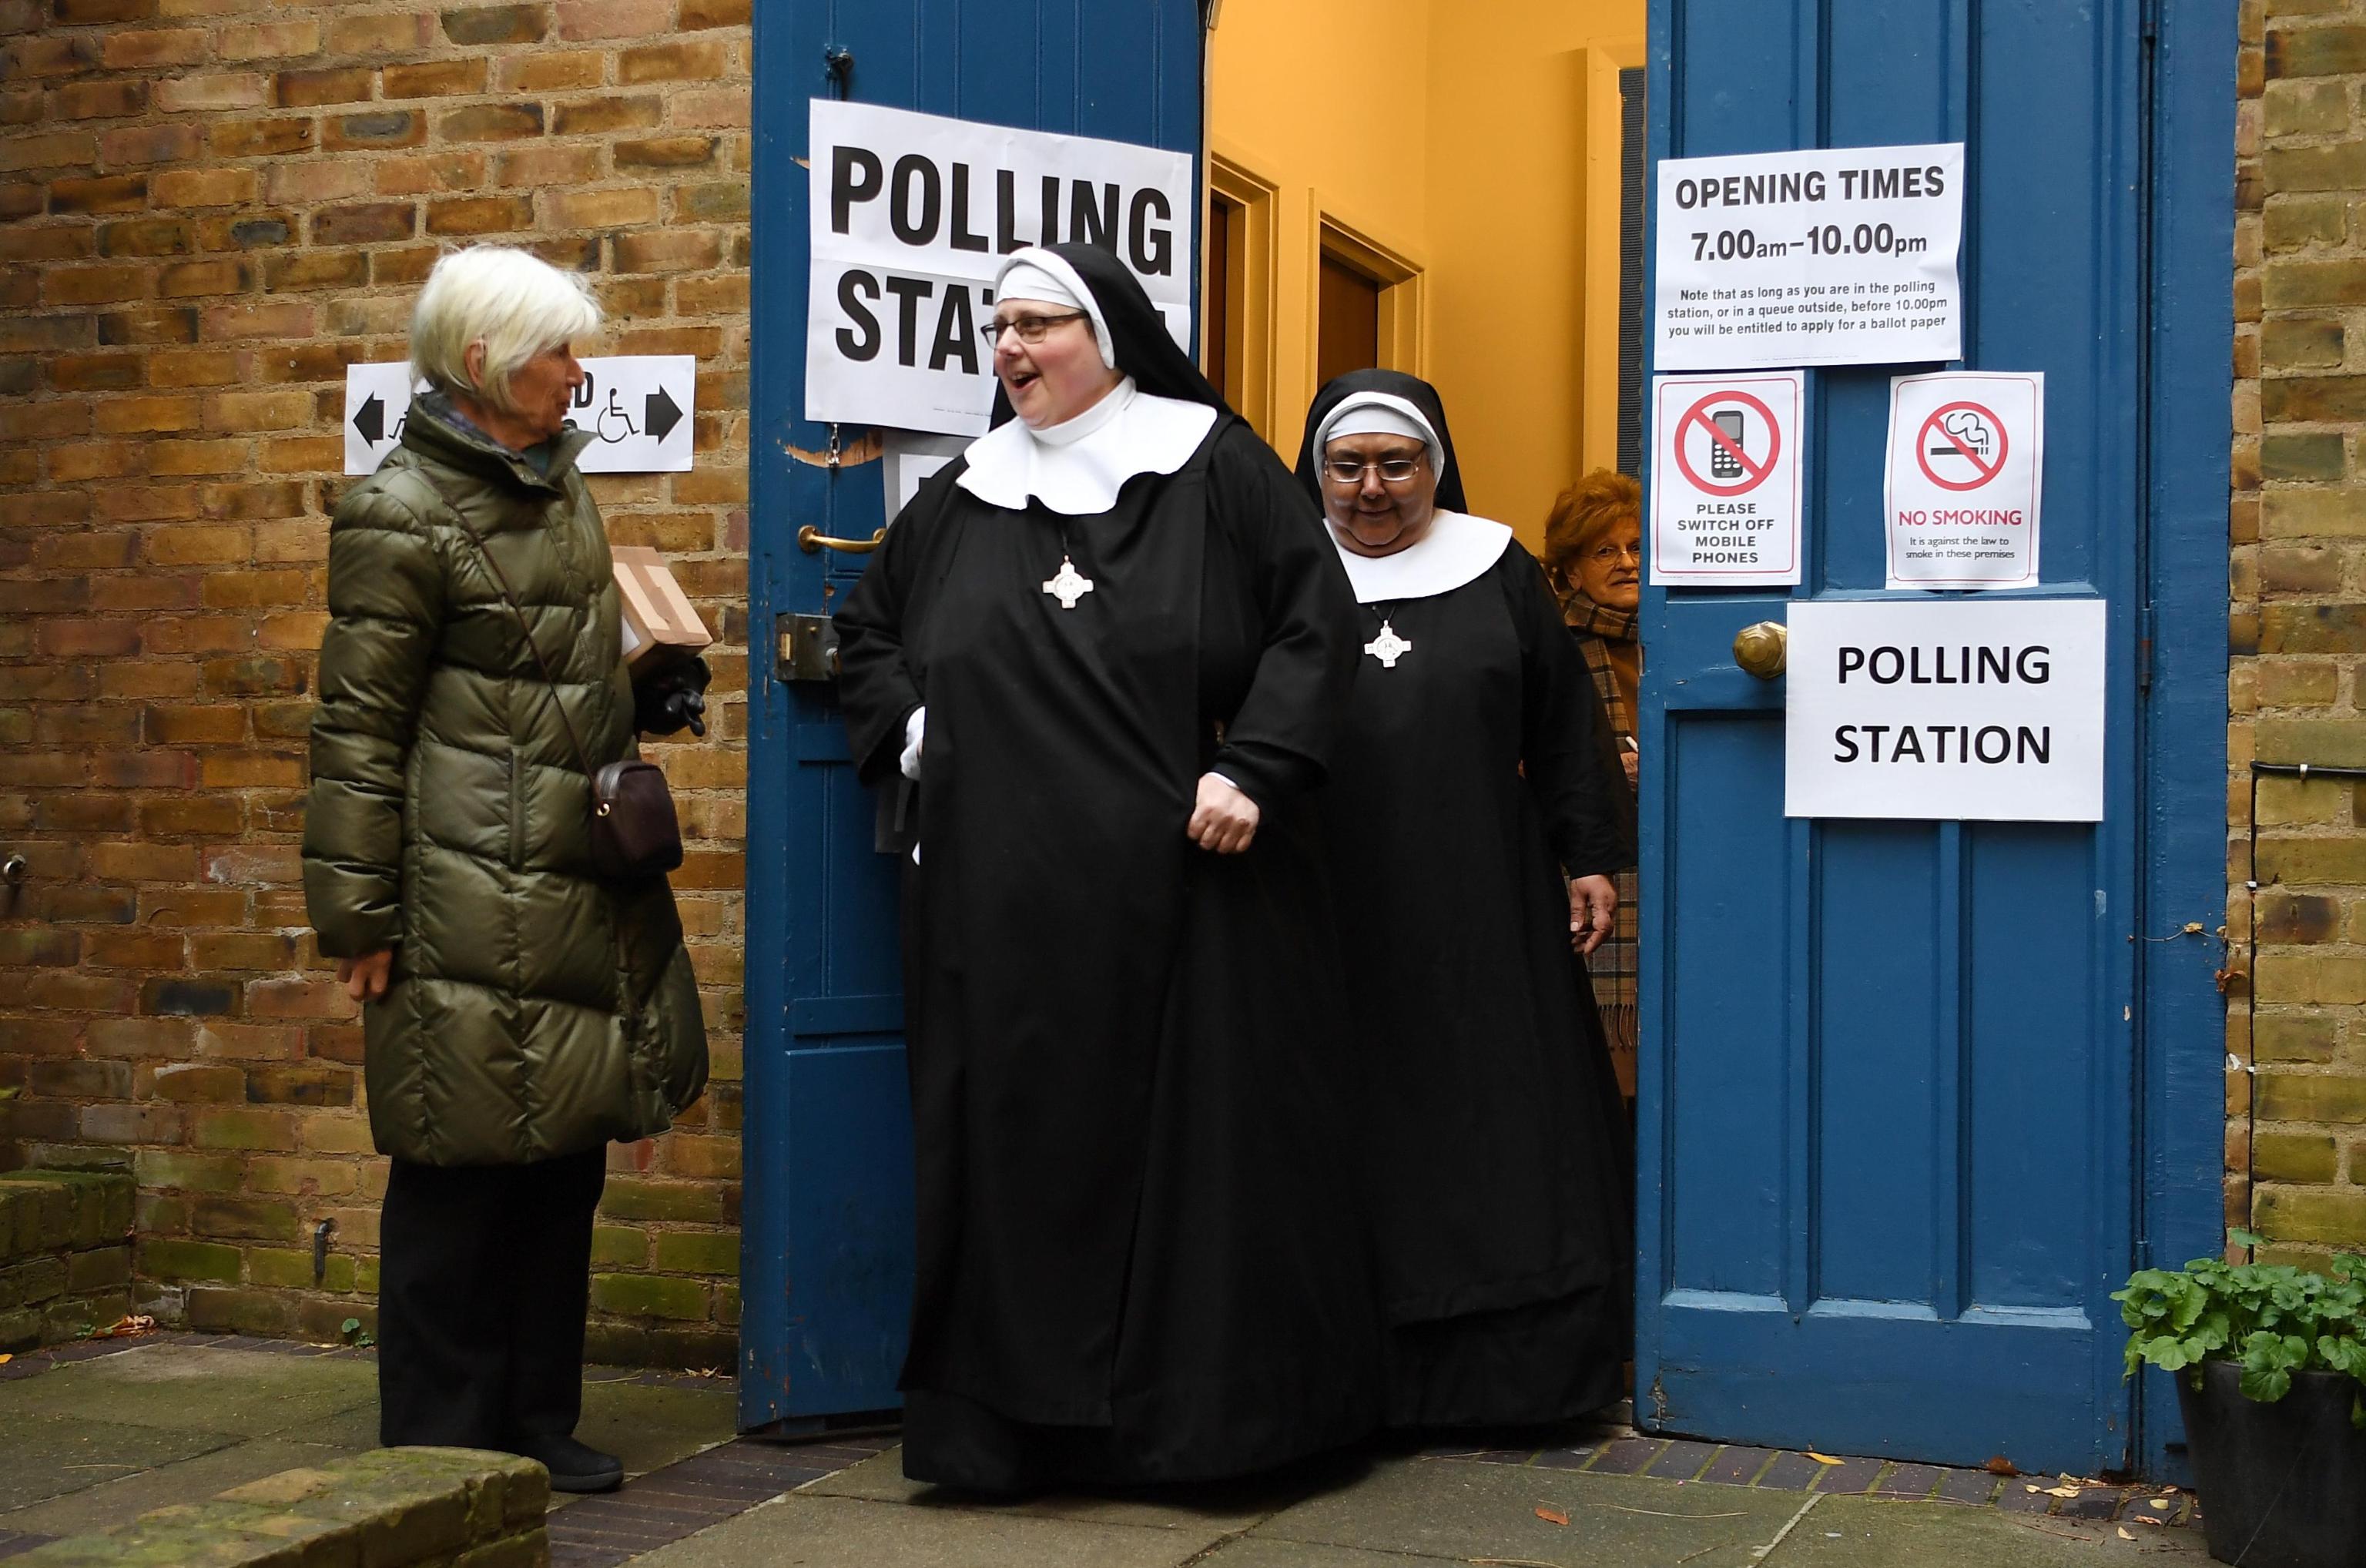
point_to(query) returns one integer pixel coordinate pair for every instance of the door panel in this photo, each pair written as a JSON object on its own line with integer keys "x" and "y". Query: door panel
{"x": 827, "y": 1228}
{"x": 1888, "y": 1154}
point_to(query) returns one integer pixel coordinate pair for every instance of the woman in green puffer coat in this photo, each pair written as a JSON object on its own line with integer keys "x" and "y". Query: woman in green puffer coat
{"x": 519, "y": 1013}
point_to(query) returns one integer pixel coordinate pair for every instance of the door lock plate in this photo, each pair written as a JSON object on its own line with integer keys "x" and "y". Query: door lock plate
{"x": 805, "y": 648}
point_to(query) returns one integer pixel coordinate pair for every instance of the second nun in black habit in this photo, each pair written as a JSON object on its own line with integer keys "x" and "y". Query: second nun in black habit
{"x": 1472, "y": 778}
{"x": 1109, "y": 645}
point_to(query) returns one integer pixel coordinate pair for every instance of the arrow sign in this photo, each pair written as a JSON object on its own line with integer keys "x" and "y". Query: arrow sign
{"x": 378, "y": 399}
{"x": 661, "y": 414}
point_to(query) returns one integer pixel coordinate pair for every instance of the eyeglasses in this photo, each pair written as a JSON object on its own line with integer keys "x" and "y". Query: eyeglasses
{"x": 1616, "y": 550}
{"x": 1030, "y": 329}
{"x": 1392, "y": 470}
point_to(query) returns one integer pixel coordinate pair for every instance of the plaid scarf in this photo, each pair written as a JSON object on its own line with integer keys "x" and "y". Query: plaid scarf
{"x": 1612, "y": 965}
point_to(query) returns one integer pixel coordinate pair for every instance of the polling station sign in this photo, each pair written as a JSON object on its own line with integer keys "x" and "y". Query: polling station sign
{"x": 1964, "y": 479}
{"x": 1724, "y": 479}
{"x": 1972, "y": 710}
{"x": 1830, "y": 256}
{"x": 912, "y": 215}
{"x": 636, "y": 407}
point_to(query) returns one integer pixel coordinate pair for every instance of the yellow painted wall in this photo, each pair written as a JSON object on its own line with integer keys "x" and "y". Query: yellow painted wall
{"x": 1453, "y": 135}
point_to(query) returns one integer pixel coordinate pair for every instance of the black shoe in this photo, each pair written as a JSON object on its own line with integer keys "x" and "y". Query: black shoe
{"x": 573, "y": 1466}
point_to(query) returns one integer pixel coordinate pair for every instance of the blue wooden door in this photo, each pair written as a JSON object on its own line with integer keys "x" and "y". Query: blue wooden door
{"x": 826, "y": 1229}
{"x": 1912, "y": 1102}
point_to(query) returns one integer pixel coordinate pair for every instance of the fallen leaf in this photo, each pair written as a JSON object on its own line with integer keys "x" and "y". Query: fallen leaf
{"x": 6, "y": 1359}
{"x": 2029, "y": 1487}
{"x": 2126, "y": 1534}
{"x": 2160, "y": 1502}
{"x": 2148, "y": 1520}
{"x": 1999, "y": 1465}
{"x": 1552, "y": 1516}
{"x": 124, "y": 1328}
{"x": 1821, "y": 1459}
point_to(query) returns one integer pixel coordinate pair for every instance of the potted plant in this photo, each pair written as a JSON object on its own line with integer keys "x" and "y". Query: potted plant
{"x": 2271, "y": 1366}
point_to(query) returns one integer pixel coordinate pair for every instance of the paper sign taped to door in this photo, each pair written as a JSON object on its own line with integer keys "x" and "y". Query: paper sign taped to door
{"x": 1839, "y": 255}
{"x": 912, "y": 215}
{"x": 1986, "y": 710}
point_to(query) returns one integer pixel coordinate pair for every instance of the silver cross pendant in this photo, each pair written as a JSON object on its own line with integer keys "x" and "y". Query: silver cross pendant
{"x": 1388, "y": 647}
{"x": 1069, "y": 585}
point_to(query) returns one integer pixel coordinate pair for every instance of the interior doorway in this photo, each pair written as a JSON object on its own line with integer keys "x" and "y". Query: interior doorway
{"x": 1448, "y": 190}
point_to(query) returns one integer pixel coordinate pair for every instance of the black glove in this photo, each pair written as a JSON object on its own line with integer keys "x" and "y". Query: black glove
{"x": 672, "y": 699}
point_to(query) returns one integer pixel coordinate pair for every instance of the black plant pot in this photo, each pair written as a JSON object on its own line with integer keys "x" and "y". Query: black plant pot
{"x": 2282, "y": 1485}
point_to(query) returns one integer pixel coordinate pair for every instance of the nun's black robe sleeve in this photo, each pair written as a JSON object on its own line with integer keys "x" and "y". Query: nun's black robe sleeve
{"x": 1564, "y": 748}
{"x": 871, "y": 652}
{"x": 1280, "y": 738}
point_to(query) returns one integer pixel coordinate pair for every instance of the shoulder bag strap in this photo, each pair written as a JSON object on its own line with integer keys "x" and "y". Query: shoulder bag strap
{"x": 527, "y": 631}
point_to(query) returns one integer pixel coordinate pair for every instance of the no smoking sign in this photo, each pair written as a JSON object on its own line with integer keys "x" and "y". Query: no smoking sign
{"x": 1964, "y": 476}
{"x": 1725, "y": 478}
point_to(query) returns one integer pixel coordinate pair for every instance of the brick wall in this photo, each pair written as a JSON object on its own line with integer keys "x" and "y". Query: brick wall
{"x": 207, "y": 209}
{"x": 2296, "y": 1154}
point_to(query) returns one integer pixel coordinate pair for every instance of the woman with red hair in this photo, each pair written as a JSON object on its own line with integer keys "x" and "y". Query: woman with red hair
{"x": 1593, "y": 557}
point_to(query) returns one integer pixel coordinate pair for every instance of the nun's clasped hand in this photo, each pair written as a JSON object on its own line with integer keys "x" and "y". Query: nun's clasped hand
{"x": 1224, "y": 820}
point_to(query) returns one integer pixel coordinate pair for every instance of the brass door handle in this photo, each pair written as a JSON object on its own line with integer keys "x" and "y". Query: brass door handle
{"x": 1763, "y": 649}
{"x": 811, "y": 539}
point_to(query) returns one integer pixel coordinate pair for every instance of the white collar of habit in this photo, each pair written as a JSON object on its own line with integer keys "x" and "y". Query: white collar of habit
{"x": 1076, "y": 468}
{"x": 1459, "y": 548}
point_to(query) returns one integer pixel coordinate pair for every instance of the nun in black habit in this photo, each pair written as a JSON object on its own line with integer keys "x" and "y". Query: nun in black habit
{"x": 1109, "y": 645}
{"x": 1471, "y": 781}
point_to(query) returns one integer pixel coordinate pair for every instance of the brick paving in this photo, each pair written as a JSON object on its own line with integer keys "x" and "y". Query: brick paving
{"x": 1711, "y": 1464}
{"x": 685, "y": 1497}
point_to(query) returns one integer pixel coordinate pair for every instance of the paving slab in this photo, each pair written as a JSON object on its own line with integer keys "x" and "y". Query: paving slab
{"x": 805, "y": 1531}
{"x": 249, "y": 1393}
{"x": 1864, "y": 1532}
{"x": 1460, "y": 1511}
{"x": 349, "y": 1430}
{"x": 111, "y": 1502}
{"x": 1254, "y": 1552}
{"x": 1204, "y": 1513}
{"x": 49, "y": 1456}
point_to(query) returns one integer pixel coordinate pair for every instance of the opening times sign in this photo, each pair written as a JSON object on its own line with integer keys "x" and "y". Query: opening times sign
{"x": 912, "y": 215}
{"x": 1828, "y": 256}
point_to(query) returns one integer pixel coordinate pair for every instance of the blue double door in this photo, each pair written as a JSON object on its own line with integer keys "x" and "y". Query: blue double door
{"x": 1915, "y": 1096}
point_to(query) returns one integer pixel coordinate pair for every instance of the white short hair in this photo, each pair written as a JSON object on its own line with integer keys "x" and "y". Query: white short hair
{"x": 515, "y": 304}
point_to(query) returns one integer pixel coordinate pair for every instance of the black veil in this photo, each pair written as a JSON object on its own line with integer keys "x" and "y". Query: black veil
{"x": 1396, "y": 383}
{"x": 1137, "y": 333}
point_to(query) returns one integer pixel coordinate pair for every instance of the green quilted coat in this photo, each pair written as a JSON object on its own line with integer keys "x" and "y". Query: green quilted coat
{"x": 535, "y": 1011}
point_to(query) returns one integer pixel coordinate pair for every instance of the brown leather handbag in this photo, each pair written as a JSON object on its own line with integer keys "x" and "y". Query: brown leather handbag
{"x": 635, "y": 832}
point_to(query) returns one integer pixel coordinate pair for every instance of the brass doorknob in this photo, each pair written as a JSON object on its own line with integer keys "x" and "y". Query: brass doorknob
{"x": 1763, "y": 649}
{"x": 811, "y": 539}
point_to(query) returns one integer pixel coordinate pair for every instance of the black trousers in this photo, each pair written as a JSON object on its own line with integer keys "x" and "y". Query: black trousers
{"x": 484, "y": 1277}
